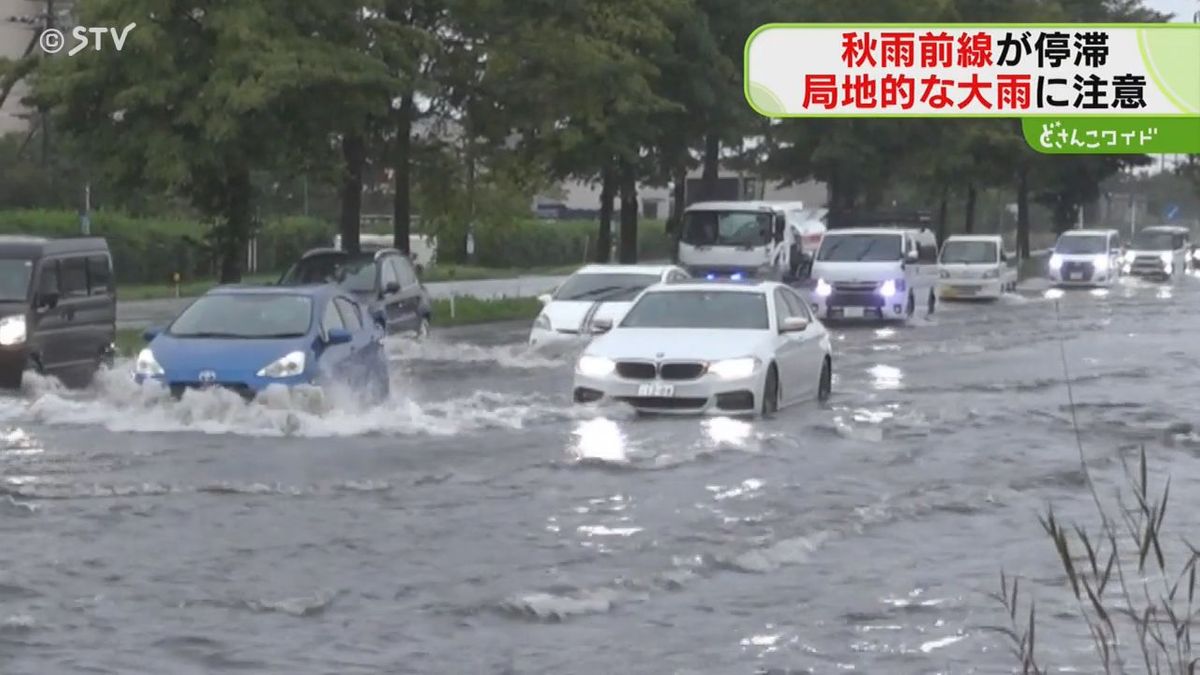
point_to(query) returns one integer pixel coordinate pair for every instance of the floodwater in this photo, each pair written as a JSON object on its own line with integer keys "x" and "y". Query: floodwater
{"x": 480, "y": 523}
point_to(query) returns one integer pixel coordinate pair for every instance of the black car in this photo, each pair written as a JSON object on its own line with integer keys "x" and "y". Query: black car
{"x": 384, "y": 280}
{"x": 58, "y": 308}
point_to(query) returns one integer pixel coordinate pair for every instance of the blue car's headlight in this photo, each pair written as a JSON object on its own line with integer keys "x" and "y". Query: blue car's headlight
{"x": 146, "y": 365}
{"x": 288, "y": 366}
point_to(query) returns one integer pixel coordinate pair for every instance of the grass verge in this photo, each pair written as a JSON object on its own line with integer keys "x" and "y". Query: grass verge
{"x": 467, "y": 311}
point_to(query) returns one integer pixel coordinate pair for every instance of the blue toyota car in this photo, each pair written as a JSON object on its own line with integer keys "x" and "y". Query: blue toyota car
{"x": 246, "y": 338}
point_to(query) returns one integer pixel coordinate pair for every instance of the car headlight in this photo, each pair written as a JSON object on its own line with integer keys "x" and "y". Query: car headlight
{"x": 1101, "y": 263}
{"x": 888, "y": 289}
{"x": 991, "y": 274}
{"x": 595, "y": 366}
{"x": 1196, "y": 255}
{"x": 1130, "y": 256}
{"x": 287, "y": 366}
{"x": 542, "y": 322}
{"x": 1167, "y": 258}
{"x": 1055, "y": 261}
{"x": 824, "y": 290}
{"x": 1168, "y": 269}
{"x": 146, "y": 364}
{"x": 730, "y": 369}
{"x": 12, "y": 330}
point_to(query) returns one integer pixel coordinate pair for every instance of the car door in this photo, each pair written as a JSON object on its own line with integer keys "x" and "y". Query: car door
{"x": 48, "y": 322}
{"x": 352, "y": 318}
{"x": 811, "y": 356}
{"x": 789, "y": 351}
{"x": 334, "y": 362}
{"x": 410, "y": 291}
{"x": 391, "y": 297}
{"x": 75, "y": 303}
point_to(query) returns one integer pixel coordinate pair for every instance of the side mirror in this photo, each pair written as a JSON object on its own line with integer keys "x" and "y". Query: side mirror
{"x": 338, "y": 336}
{"x": 150, "y": 333}
{"x": 545, "y": 298}
{"x": 47, "y": 300}
{"x": 912, "y": 256}
{"x": 380, "y": 317}
{"x": 794, "y": 324}
{"x": 601, "y": 326}
{"x": 391, "y": 287}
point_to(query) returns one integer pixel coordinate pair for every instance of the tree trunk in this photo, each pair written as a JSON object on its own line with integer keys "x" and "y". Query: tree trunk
{"x": 1023, "y": 210}
{"x": 629, "y": 214}
{"x": 402, "y": 176}
{"x": 608, "y": 188}
{"x": 943, "y": 205}
{"x": 972, "y": 198}
{"x": 710, "y": 179}
{"x": 354, "y": 154}
{"x": 678, "y": 204}
{"x": 236, "y": 228}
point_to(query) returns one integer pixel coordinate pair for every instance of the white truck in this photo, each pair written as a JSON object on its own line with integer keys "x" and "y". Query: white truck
{"x": 759, "y": 239}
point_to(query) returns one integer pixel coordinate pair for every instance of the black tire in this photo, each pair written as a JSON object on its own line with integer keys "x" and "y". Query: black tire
{"x": 932, "y": 302}
{"x": 912, "y": 305}
{"x": 770, "y": 393}
{"x": 825, "y": 386}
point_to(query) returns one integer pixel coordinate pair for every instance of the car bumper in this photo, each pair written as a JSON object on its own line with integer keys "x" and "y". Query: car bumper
{"x": 248, "y": 387}
{"x": 707, "y": 395}
{"x": 1097, "y": 279}
{"x": 955, "y": 289}
{"x": 842, "y": 307}
{"x": 14, "y": 358}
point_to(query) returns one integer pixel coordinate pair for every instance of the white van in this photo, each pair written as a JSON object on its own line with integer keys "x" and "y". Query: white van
{"x": 879, "y": 273}
{"x": 1086, "y": 258}
{"x": 1160, "y": 252}
{"x": 974, "y": 266}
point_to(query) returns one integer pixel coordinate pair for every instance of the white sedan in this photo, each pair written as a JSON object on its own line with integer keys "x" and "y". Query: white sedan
{"x": 595, "y": 292}
{"x": 720, "y": 348}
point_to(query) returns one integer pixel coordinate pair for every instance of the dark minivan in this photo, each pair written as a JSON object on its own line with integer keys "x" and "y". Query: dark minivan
{"x": 58, "y": 308}
{"x": 384, "y": 280}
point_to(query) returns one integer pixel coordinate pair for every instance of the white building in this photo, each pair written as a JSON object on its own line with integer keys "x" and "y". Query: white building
{"x": 19, "y": 21}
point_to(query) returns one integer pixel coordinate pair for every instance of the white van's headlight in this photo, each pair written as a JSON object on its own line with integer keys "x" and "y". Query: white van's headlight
{"x": 542, "y": 322}
{"x": 595, "y": 366}
{"x": 1196, "y": 255}
{"x": 991, "y": 274}
{"x": 12, "y": 330}
{"x": 146, "y": 364}
{"x": 888, "y": 289}
{"x": 1130, "y": 256}
{"x": 1167, "y": 258}
{"x": 824, "y": 290}
{"x": 288, "y": 366}
{"x": 1055, "y": 261}
{"x": 731, "y": 369}
{"x": 1101, "y": 263}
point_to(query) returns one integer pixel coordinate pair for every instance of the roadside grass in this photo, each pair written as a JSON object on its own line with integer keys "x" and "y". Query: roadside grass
{"x": 197, "y": 287}
{"x": 467, "y": 310}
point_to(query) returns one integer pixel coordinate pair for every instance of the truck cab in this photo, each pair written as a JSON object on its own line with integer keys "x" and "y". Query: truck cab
{"x": 751, "y": 239}
{"x": 875, "y": 272}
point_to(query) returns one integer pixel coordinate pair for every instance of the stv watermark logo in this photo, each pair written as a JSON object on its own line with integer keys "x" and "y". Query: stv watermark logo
{"x": 52, "y": 40}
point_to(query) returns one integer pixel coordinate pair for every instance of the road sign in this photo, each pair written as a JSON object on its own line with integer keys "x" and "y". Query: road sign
{"x": 1172, "y": 211}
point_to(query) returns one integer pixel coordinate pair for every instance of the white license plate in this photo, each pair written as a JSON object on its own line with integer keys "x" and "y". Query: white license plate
{"x": 656, "y": 389}
{"x": 1077, "y": 276}
{"x": 852, "y": 312}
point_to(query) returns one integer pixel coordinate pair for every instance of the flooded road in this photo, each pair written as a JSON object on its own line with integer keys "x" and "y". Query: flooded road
{"x": 480, "y": 523}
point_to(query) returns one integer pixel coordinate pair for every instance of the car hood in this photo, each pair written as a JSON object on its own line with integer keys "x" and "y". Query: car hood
{"x": 678, "y": 343}
{"x": 184, "y": 356}
{"x": 569, "y": 314}
{"x": 857, "y": 271}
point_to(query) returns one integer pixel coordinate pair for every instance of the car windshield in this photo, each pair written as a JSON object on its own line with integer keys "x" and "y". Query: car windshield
{"x": 355, "y": 274}
{"x": 970, "y": 252}
{"x": 245, "y": 315}
{"x": 699, "y": 309}
{"x": 1081, "y": 244}
{"x": 1154, "y": 241}
{"x": 613, "y": 287}
{"x": 727, "y": 228}
{"x": 14, "y": 278}
{"x": 860, "y": 247}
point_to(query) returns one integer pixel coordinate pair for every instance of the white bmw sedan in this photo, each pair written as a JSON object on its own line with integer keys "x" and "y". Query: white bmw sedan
{"x": 719, "y": 348}
{"x": 595, "y": 292}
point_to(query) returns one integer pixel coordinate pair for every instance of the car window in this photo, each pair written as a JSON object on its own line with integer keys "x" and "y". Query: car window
{"x": 351, "y": 317}
{"x": 73, "y": 277}
{"x": 99, "y": 270}
{"x": 404, "y": 270}
{"x": 331, "y": 319}
{"x": 797, "y": 305}
{"x": 388, "y": 274}
{"x": 48, "y": 277}
{"x": 782, "y": 310}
